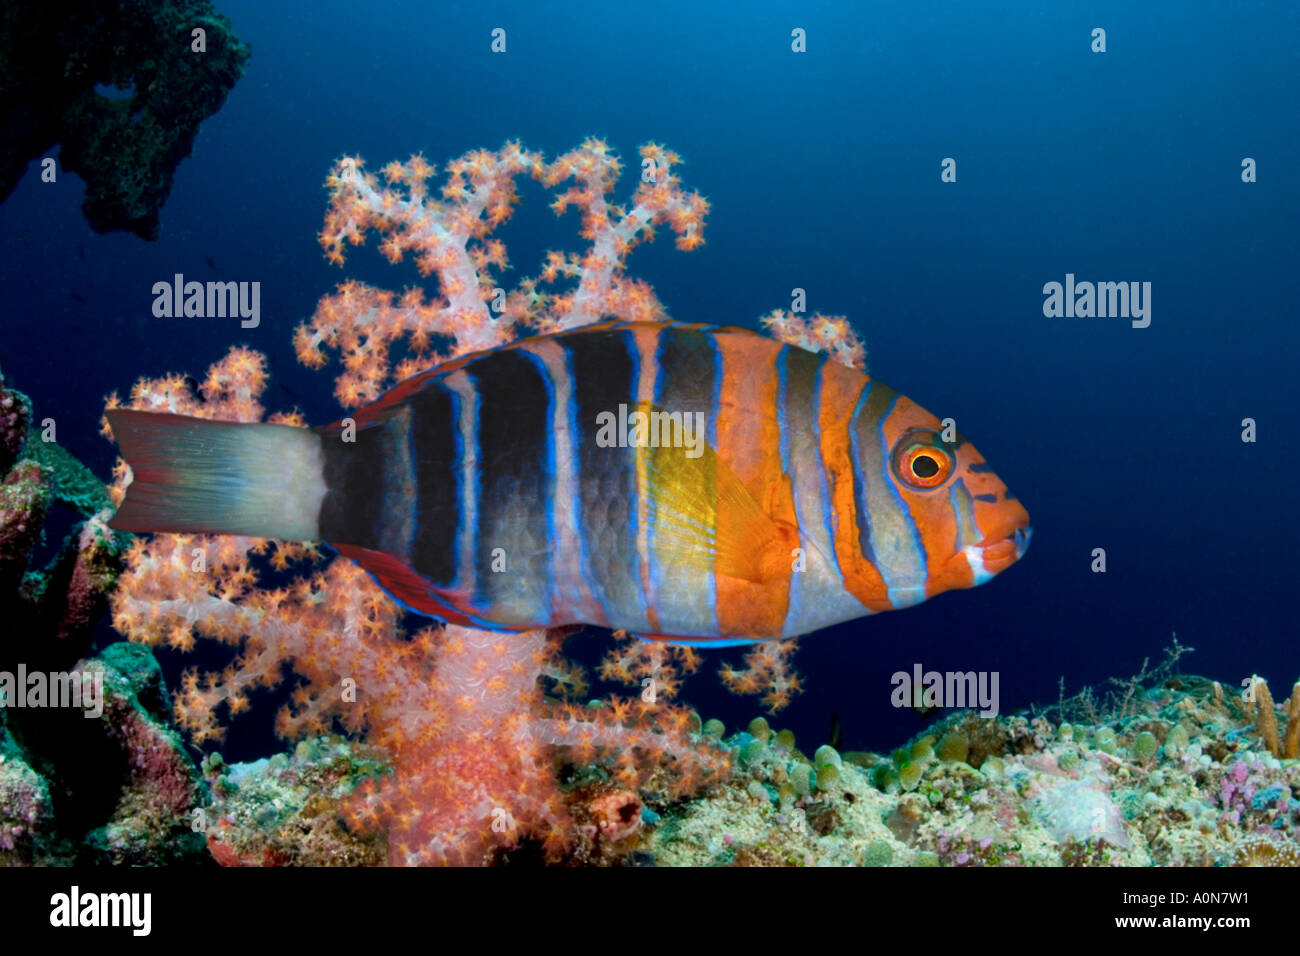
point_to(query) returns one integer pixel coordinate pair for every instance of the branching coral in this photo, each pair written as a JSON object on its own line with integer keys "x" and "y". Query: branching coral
{"x": 831, "y": 334}
{"x": 768, "y": 670}
{"x": 1259, "y": 706}
{"x": 451, "y": 238}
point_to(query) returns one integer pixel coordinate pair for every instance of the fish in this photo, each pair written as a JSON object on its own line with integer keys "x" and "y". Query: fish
{"x": 684, "y": 482}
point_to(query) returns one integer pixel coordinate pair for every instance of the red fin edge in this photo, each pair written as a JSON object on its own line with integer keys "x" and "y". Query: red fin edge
{"x": 403, "y": 583}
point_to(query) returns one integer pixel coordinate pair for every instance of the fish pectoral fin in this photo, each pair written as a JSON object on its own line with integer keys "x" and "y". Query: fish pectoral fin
{"x": 705, "y": 519}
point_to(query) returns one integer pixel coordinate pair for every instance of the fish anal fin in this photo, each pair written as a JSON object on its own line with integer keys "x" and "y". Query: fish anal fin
{"x": 403, "y": 583}
{"x": 698, "y": 641}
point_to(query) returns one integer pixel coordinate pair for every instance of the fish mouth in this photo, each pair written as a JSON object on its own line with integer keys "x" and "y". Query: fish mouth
{"x": 1020, "y": 538}
{"x": 998, "y": 554}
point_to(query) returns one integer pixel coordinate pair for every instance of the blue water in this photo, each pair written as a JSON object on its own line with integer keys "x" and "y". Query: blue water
{"x": 823, "y": 171}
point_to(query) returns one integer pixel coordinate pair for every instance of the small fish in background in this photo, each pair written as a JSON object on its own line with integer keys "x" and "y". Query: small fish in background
{"x": 689, "y": 483}
{"x": 918, "y": 705}
{"x": 79, "y": 299}
{"x": 211, "y": 263}
{"x": 279, "y": 380}
{"x": 81, "y": 251}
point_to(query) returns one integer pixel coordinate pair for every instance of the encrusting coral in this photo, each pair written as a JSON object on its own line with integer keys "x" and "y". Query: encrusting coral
{"x": 49, "y": 613}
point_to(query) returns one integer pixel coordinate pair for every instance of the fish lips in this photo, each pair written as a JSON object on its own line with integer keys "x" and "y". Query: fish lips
{"x": 1000, "y": 553}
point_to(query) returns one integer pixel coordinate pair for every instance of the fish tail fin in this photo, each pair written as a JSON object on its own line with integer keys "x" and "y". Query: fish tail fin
{"x": 197, "y": 475}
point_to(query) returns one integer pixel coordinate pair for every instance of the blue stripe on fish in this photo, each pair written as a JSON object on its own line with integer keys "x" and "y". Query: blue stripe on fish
{"x": 828, "y": 521}
{"x": 860, "y": 480}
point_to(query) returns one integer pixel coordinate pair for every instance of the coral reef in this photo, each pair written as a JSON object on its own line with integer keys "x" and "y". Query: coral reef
{"x": 115, "y": 788}
{"x": 150, "y": 820}
{"x": 1179, "y": 780}
{"x": 287, "y": 810}
{"x": 1174, "y": 775}
{"x": 62, "y": 58}
{"x": 49, "y": 613}
{"x": 26, "y": 809}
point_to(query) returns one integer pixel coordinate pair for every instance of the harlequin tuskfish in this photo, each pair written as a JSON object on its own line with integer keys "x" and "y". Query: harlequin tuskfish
{"x": 680, "y": 482}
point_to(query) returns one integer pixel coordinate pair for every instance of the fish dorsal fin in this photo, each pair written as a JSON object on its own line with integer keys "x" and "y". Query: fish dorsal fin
{"x": 704, "y": 518}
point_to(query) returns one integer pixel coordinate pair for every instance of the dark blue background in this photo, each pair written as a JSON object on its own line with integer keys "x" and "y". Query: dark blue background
{"x": 823, "y": 173}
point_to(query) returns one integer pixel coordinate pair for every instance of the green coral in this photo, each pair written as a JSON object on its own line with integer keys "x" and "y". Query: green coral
{"x": 755, "y": 752}
{"x": 1145, "y": 745}
{"x": 1104, "y": 740}
{"x": 1177, "y": 741}
{"x": 878, "y": 853}
{"x": 910, "y": 774}
{"x": 803, "y": 778}
{"x": 953, "y": 747}
{"x": 826, "y": 755}
{"x": 71, "y": 482}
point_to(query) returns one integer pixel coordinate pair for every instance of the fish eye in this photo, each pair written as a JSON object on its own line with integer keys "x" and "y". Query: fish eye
{"x": 924, "y": 466}
{"x": 921, "y": 460}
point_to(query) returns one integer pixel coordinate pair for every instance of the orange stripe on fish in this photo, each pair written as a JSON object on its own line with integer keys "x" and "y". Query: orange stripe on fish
{"x": 749, "y": 440}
